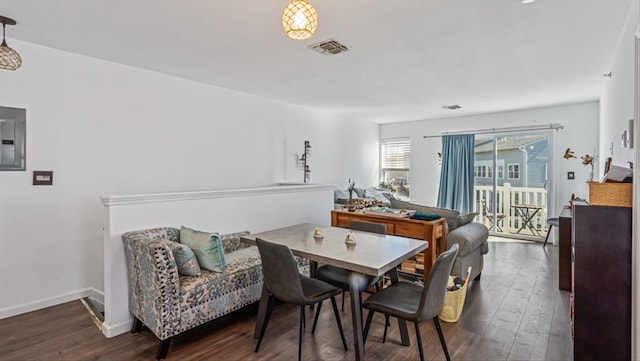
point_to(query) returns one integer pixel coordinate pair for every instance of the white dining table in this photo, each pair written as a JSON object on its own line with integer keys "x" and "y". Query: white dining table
{"x": 372, "y": 254}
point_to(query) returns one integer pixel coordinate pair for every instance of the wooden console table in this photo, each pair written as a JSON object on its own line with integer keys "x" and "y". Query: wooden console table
{"x": 431, "y": 231}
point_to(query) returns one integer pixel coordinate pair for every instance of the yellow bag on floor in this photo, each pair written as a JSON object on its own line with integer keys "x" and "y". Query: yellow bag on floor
{"x": 454, "y": 302}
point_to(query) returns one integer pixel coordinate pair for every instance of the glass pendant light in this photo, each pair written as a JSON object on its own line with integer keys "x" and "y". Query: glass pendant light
{"x": 299, "y": 19}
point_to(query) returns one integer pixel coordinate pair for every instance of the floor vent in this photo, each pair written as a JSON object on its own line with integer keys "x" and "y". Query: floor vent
{"x": 329, "y": 47}
{"x": 96, "y": 311}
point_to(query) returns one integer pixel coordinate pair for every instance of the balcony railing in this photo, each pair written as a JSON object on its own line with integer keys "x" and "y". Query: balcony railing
{"x": 511, "y": 205}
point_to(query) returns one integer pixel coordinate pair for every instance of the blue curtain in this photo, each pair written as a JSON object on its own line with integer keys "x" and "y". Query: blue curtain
{"x": 456, "y": 178}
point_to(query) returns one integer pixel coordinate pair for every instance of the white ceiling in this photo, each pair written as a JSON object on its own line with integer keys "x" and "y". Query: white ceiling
{"x": 407, "y": 59}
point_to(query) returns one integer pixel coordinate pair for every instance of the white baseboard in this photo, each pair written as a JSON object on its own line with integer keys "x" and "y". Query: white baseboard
{"x": 11, "y": 311}
{"x": 96, "y": 295}
{"x": 115, "y": 330}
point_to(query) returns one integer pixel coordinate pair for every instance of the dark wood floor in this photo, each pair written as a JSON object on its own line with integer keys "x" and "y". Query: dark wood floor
{"x": 515, "y": 312}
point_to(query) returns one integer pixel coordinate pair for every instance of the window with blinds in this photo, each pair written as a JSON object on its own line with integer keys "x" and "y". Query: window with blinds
{"x": 395, "y": 166}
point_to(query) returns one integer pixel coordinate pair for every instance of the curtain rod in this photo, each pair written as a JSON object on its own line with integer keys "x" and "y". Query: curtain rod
{"x": 555, "y": 126}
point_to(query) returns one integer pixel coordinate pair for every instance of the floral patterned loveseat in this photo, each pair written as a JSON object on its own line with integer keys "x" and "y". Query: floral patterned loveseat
{"x": 169, "y": 303}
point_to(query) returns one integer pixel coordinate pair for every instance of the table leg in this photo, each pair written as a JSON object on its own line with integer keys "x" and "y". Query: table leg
{"x": 393, "y": 275}
{"x": 530, "y": 225}
{"x": 357, "y": 283}
{"x": 524, "y": 217}
{"x": 402, "y": 324}
{"x": 313, "y": 269}
{"x": 527, "y": 221}
{"x": 262, "y": 311}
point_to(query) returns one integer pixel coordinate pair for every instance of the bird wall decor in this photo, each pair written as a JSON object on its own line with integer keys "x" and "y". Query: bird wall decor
{"x": 568, "y": 154}
{"x": 587, "y": 159}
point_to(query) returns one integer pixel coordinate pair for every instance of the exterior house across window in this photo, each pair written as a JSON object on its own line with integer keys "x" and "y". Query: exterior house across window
{"x": 513, "y": 171}
{"x": 395, "y": 165}
{"x": 484, "y": 169}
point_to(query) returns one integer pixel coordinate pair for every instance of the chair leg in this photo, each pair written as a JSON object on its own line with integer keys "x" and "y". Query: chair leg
{"x": 315, "y": 320}
{"x": 419, "y": 338}
{"x": 163, "y": 349}
{"x": 342, "y": 300}
{"x": 304, "y": 320}
{"x": 441, "y": 336}
{"x": 335, "y": 311}
{"x": 366, "y": 326}
{"x": 270, "y": 303}
{"x": 547, "y": 237}
{"x": 386, "y": 326}
{"x": 137, "y": 325}
{"x": 300, "y": 333}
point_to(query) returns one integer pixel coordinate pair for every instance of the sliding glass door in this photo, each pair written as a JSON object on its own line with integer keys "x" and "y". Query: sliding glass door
{"x": 512, "y": 183}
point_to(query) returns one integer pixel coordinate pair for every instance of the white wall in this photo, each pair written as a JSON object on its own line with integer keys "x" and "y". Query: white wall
{"x": 619, "y": 103}
{"x": 616, "y": 103}
{"x": 103, "y": 128}
{"x": 580, "y": 133}
{"x": 254, "y": 210}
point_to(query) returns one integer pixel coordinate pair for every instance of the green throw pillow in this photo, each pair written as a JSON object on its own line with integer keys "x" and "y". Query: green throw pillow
{"x": 207, "y": 247}
{"x": 185, "y": 258}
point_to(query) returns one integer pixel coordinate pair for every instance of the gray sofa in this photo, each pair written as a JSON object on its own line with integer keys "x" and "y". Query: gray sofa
{"x": 470, "y": 236}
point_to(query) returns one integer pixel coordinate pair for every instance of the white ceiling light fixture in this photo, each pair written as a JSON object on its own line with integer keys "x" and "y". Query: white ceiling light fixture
{"x": 299, "y": 19}
{"x": 9, "y": 58}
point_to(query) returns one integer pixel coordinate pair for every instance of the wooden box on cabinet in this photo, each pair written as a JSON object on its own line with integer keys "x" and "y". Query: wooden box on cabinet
{"x": 611, "y": 194}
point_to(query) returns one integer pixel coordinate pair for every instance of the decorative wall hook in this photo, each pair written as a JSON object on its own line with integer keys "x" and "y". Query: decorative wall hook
{"x": 303, "y": 161}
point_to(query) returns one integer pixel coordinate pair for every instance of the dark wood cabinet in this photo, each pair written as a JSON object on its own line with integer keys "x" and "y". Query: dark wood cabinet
{"x": 564, "y": 249}
{"x": 601, "y": 282}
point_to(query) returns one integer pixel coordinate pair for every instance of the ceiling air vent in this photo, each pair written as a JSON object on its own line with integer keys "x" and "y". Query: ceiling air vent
{"x": 329, "y": 47}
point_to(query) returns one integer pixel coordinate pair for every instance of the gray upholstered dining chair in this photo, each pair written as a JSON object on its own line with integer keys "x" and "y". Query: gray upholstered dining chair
{"x": 415, "y": 303}
{"x": 285, "y": 283}
{"x": 551, "y": 222}
{"x": 339, "y": 277}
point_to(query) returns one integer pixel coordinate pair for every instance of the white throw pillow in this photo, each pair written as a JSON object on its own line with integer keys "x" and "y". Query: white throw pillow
{"x": 377, "y": 195}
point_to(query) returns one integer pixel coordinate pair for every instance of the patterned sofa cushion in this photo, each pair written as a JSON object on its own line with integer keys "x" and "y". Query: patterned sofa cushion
{"x": 154, "y": 234}
{"x": 233, "y": 241}
{"x": 186, "y": 260}
{"x": 202, "y": 296}
{"x": 242, "y": 259}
